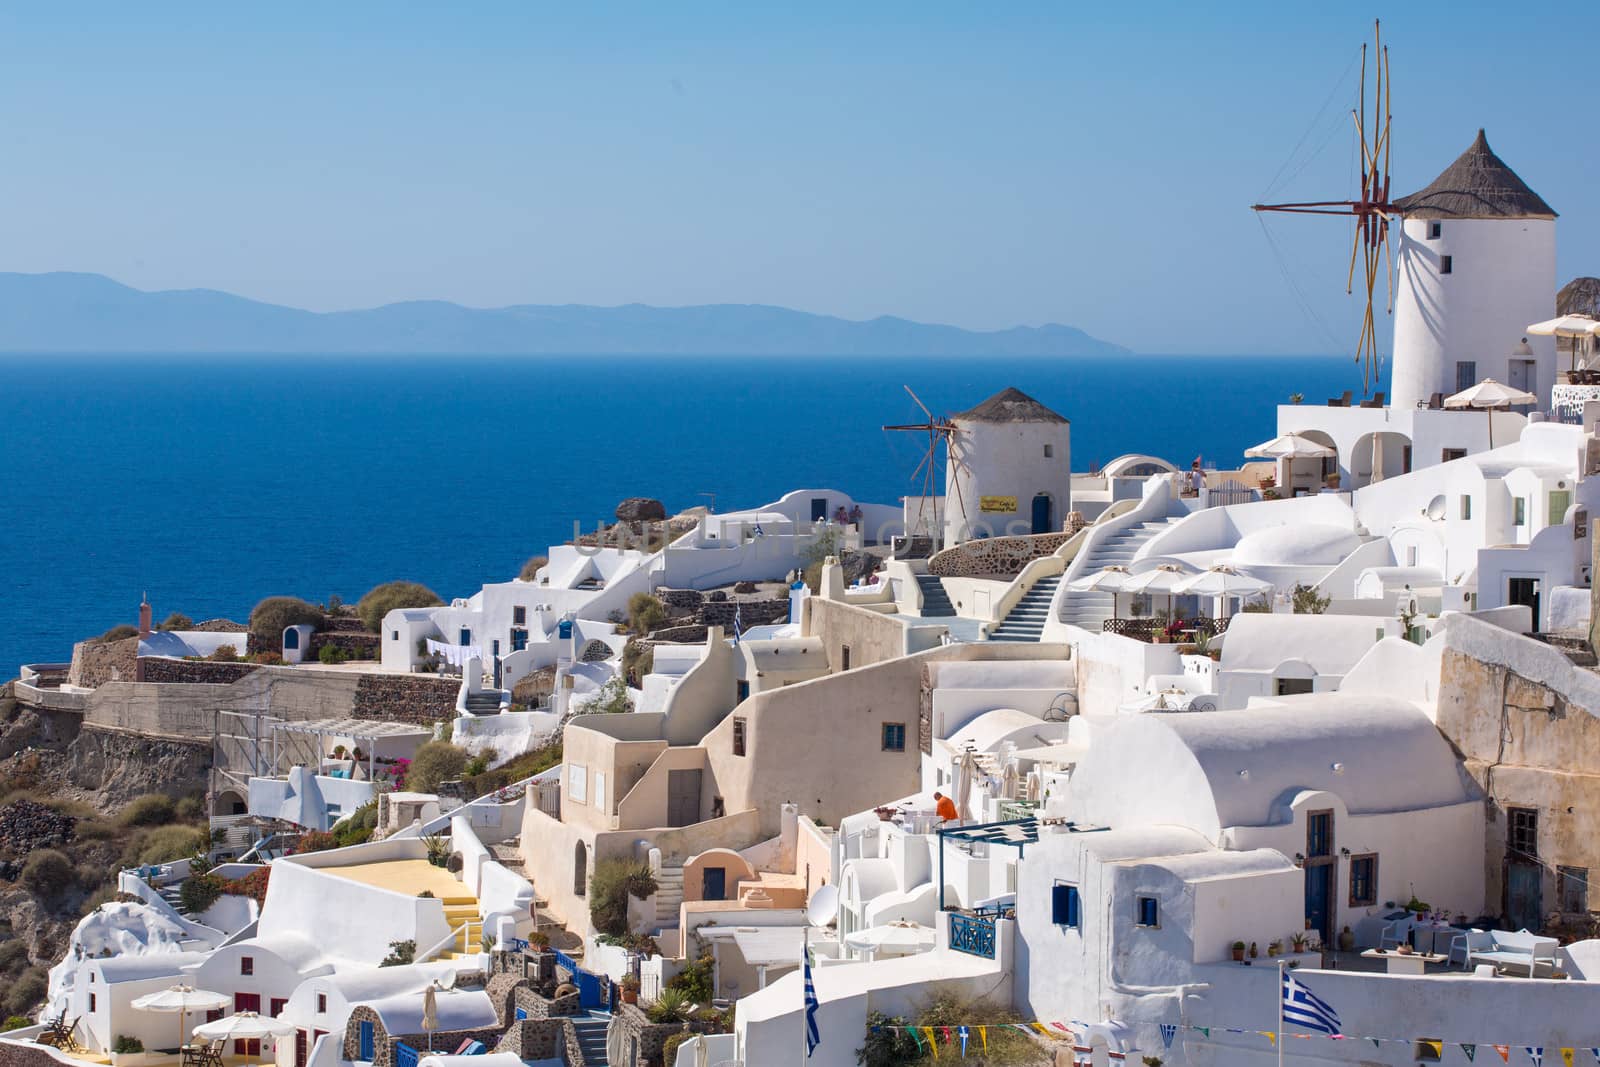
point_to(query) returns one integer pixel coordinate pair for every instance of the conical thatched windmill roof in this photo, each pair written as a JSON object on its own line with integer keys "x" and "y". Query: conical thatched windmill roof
{"x": 1010, "y": 405}
{"x": 1580, "y": 296}
{"x": 1478, "y": 185}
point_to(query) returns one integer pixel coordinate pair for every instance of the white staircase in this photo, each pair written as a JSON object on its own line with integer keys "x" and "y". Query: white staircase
{"x": 1090, "y": 610}
{"x": 669, "y": 896}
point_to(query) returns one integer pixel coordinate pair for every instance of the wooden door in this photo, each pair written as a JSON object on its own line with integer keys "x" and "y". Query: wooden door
{"x": 683, "y": 797}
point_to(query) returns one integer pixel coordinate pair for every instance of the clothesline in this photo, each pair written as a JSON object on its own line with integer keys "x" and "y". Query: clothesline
{"x": 455, "y": 655}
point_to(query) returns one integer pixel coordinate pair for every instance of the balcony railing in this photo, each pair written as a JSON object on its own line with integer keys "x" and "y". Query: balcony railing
{"x": 1148, "y": 629}
{"x": 972, "y": 935}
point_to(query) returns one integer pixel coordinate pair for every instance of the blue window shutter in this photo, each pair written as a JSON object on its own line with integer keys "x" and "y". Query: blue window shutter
{"x": 1073, "y": 907}
{"x": 1064, "y": 905}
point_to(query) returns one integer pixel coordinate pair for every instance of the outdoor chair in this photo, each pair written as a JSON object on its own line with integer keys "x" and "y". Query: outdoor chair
{"x": 1340, "y": 401}
{"x": 1503, "y": 948}
{"x": 1436, "y": 402}
{"x": 1375, "y": 402}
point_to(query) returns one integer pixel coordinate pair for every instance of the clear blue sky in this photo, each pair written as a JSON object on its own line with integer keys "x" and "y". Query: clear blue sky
{"x": 983, "y": 165}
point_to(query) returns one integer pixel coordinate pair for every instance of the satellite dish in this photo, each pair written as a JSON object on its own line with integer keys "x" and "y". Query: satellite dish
{"x": 823, "y": 906}
{"x": 1435, "y": 510}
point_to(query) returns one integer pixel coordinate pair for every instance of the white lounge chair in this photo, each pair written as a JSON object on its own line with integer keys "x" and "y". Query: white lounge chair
{"x": 1502, "y": 948}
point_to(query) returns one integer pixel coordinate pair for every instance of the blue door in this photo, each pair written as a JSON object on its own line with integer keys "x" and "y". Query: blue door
{"x": 365, "y": 1041}
{"x": 1041, "y": 514}
{"x": 1319, "y": 895}
{"x": 714, "y": 883}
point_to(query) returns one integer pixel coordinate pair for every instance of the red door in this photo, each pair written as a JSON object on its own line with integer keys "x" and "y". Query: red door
{"x": 247, "y": 1002}
{"x": 300, "y": 1048}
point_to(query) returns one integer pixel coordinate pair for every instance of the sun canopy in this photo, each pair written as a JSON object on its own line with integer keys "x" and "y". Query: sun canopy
{"x": 1163, "y": 579}
{"x": 1222, "y": 581}
{"x": 245, "y": 1026}
{"x": 1290, "y": 446}
{"x": 1566, "y": 326}
{"x": 1489, "y": 394}
{"x": 1105, "y": 580}
{"x": 893, "y": 935}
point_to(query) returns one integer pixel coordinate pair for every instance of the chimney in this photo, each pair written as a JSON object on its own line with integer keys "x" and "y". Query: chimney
{"x": 144, "y": 616}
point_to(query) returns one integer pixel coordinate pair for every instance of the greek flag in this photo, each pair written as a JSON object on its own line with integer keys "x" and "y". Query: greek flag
{"x": 813, "y": 1037}
{"x": 738, "y": 627}
{"x": 1304, "y": 1008}
{"x": 1168, "y": 1032}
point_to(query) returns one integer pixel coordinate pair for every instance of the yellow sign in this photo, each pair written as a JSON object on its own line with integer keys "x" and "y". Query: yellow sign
{"x": 998, "y": 503}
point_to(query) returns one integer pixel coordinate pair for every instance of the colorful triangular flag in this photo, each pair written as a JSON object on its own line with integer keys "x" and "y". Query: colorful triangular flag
{"x": 1566, "y": 1056}
{"x": 1271, "y": 1037}
{"x": 1168, "y": 1032}
{"x": 983, "y": 1037}
{"x": 1536, "y": 1054}
{"x": 1595, "y": 1052}
{"x": 1436, "y": 1046}
{"x": 963, "y": 1032}
{"x": 1375, "y": 1042}
{"x": 933, "y": 1041}
{"x": 1505, "y": 1053}
{"x": 1205, "y": 1031}
{"x": 1470, "y": 1051}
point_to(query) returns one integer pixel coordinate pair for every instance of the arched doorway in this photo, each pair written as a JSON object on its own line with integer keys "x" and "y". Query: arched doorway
{"x": 228, "y": 803}
{"x": 1312, "y": 474}
{"x": 580, "y": 869}
{"x": 1042, "y": 517}
{"x": 1376, "y": 456}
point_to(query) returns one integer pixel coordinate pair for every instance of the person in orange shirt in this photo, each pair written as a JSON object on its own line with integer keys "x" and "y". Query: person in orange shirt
{"x": 945, "y": 808}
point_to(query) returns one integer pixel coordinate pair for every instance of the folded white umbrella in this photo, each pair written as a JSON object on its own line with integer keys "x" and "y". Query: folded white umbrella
{"x": 1290, "y": 446}
{"x": 245, "y": 1026}
{"x": 1104, "y": 580}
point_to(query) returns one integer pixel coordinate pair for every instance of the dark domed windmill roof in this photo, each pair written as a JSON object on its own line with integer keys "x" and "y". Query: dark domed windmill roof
{"x": 1478, "y": 185}
{"x": 1010, "y": 405}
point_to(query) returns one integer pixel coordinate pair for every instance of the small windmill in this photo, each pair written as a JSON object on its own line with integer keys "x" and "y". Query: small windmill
{"x": 938, "y": 429}
{"x": 1371, "y": 207}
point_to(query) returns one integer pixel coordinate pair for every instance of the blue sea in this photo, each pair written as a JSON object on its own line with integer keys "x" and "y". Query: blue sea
{"x": 211, "y": 482}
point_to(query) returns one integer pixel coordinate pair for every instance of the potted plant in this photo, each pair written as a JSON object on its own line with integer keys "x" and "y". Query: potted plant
{"x": 1255, "y": 953}
{"x": 1347, "y": 940}
{"x": 127, "y": 1050}
{"x": 1298, "y": 942}
{"x": 630, "y": 988}
{"x": 1238, "y": 952}
{"x": 1274, "y": 948}
{"x": 539, "y": 941}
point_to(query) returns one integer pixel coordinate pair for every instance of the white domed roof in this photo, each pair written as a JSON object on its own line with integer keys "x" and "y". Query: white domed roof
{"x": 1301, "y": 544}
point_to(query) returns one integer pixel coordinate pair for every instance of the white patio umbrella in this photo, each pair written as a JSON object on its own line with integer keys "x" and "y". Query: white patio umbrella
{"x": 180, "y": 1000}
{"x": 1290, "y": 446}
{"x": 906, "y": 936}
{"x": 1573, "y": 327}
{"x": 1489, "y": 395}
{"x": 1222, "y": 581}
{"x": 1161, "y": 579}
{"x": 1104, "y": 580}
{"x": 245, "y": 1026}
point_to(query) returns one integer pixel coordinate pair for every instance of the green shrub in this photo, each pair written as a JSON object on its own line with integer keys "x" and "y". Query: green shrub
{"x": 435, "y": 762}
{"x": 177, "y": 621}
{"x": 530, "y": 569}
{"x": 152, "y": 809}
{"x": 669, "y": 1047}
{"x": 48, "y": 873}
{"x": 125, "y": 1044}
{"x": 116, "y": 633}
{"x": 315, "y": 841}
{"x": 191, "y": 808}
{"x": 13, "y": 955}
{"x": 224, "y": 654}
{"x": 273, "y": 615}
{"x": 637, "y": 660}
{"x": 400, "y": 954}
{"x": 645, "y": 613}
{"x": 613, "y": 698}
{"x": 199, "y": 892}
{"x": 16, "y": 1022}
{"x": 163, "y": 844}
{"x": 1307, "y": 601}
{"x": 694, "y": 981}
{"x": 358, "y": 827}
{"x": 331, "y": 654}
{"x": 268, "y": 658}
{"x": 610, "y": 886}
{"x": 392, "y": 596}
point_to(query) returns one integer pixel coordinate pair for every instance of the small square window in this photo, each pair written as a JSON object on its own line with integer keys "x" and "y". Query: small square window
{"x": 894, "y": 737}
{"x": 322, "y": 1003}
{"x": 1435, "y": 230}
{"x": 844, "y": 657}
{"x": 91, "y": 1002}
{"x": 739, "y": 727}
{"x": 1049, "y": 451}
{"x": 741, "y": 692}
{"x": 394, "y": 635}
{"x": 1148, "y": 912}
{"x": 1448, "y": 454}
{"x": 1065, "y": 907}
{"x": 1519, "y": 511}
{"x": 519, "y": 616}
{"x": 247, "y": 965}
{"x": 1466, "y": 506}
{"x": 275, "y": 1006}
{"x": 1522, "y": 835}
{"x": 1446, "y": 264}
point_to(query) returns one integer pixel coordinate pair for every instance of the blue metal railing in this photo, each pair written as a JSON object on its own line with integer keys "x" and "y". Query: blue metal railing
{"x": 972, "y": 935}
{"x": 404, "y": 1055}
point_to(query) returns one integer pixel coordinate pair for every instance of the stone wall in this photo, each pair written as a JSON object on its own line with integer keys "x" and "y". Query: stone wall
{"x": 357, "y": 641}
{"x": 15, "y": 1054}
{"x": 751, "y": 613}
{"x": 412, "y": 698}
{"x": 95, "y": 663}
{"x": 383, "y": 1041}
{"x": 994, "y": 557}
{"x": 191, "y": 671}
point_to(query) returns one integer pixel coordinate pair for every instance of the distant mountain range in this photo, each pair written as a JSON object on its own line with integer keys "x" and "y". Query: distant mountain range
{"x": 67, "y": 312}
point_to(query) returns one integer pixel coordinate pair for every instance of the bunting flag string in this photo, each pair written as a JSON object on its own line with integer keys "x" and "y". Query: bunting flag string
{"x": 1505, "y": 1053}
{"x": 1470, "y": 1051}
{"x": 1168, "y": 1032}
{"x": 1536, "y": 1054}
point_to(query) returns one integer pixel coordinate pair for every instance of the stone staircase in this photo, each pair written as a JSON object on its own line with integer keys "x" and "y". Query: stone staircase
{"x": 669, "y": 896}
{"x": 591, "y": 1034}
{"x": 484, "y": 702}
{"x": 1025, "y": 621}
{"x": 935, "y": 601}
{"x": 1090, "y": 610}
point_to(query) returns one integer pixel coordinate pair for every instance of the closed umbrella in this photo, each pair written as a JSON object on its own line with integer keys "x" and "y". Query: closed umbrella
{"x": 1009, "y": 780}
{"x": 615, "y": 1039}
{"x": 1489, "y": 395}
{"x": 1104, "y": 580}
{"x": 430, "y": 1011}
{"x": 181, "y": 1000}
{"x": 966, "y": 773}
